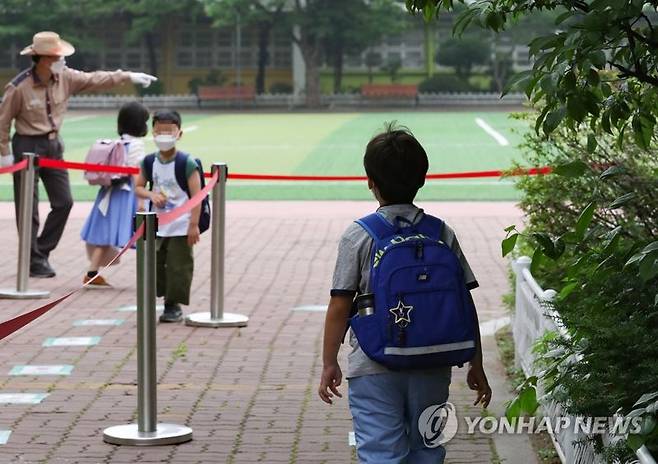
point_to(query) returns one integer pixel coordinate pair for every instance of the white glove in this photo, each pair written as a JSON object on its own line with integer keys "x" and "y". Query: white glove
{"x": 142, "y": 78}
{"x": 6, "y": 160}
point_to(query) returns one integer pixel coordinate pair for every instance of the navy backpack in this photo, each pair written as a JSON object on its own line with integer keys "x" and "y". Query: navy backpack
{"x": 423, "y": 316}
{"x": 181, "y": 179}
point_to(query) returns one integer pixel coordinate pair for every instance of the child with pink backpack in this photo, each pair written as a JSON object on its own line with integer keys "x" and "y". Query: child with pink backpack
{"x": 109, "y": 225}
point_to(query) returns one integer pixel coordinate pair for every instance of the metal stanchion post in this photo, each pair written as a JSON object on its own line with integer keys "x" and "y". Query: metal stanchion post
{"x": 147, "y": 431}
{"x": 25, "y": 209}
{"x": 217, "y": 317}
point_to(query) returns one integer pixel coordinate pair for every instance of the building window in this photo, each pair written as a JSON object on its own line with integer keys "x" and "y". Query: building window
{"x": 413, "y": 59}
{"x": 184, "y": 59}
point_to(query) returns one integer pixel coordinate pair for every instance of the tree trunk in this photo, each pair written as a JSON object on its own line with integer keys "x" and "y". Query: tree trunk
{"x": 312, "y": 78}
{"x": 149, "y": 40}
{"x": 264, "y": 29}
{"x": 310, "y": 48}
{"x": 338, "y": 64}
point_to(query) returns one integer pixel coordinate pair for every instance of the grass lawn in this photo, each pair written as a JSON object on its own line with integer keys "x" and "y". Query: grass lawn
{"x": 322, "y": 144}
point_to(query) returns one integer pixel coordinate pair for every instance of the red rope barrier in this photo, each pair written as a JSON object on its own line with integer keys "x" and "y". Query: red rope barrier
{"x": 9, "y": 327}
{"x": 14, "y": 167}
{"x": 60, "y": 164}
{"x": 12, "y": 325}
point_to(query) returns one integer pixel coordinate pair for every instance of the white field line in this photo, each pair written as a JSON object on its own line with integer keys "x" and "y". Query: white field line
{"x": 498, "y": 137}
{"x": 190, "y": 129}
{"x": 80, "y": 118}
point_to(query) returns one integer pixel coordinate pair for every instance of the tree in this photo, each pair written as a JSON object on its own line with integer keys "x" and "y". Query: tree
{"x": 147, "y": 17}
{"x": 392, "y": 67}
{"x": 593, "y": 79}
{"x": 264, "y": 14}
{"x": 365, "y": 25}
{"x": 598, "y": 70}
{"x": 311, "y": 23}
{"x": 373, "y": 59}
{"x": 462, "y": 54}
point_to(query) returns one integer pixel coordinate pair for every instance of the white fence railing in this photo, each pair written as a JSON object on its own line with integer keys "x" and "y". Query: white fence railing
{"x": 533, "y": 316}
{"x": 289, "y": 101}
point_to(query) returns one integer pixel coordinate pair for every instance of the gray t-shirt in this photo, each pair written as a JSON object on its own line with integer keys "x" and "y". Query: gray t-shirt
{"x": 352, "y": 274}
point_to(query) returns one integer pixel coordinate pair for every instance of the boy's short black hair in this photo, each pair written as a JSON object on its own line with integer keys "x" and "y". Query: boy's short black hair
{"x": 396, "y": 163}
{"x": 132, "y": 119}
{"x": 36, "y": 58}
{"x": 168, "y": 116}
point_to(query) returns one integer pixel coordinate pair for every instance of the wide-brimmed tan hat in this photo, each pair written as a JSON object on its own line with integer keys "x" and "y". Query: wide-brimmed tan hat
{"x": 49, "y": 44}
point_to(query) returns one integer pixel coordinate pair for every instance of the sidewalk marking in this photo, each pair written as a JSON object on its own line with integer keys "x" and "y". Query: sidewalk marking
{"x": 133, "y": 308}
{"x": 71, "y": 341}
{"x": 498, "y": 137}
{"x": 4, "y": 436}
{"x": 22, "y": 398}
{"x": 491, "y": 327}
{"x": 21, "y": 369}
{"x": 88, "y": 322}
{"x": 311, "y": 308}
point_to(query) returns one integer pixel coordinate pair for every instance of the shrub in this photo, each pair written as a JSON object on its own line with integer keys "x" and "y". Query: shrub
{"x": 444, "y": 83}
{"x": 595, "y": 229}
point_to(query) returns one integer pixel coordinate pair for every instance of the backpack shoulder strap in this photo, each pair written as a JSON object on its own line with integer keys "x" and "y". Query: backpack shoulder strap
{"x": 376, "y": 226}
{"x": 180, "y": 168}
{"x": 430, "y": 226}
{"x": 148, "y": 167}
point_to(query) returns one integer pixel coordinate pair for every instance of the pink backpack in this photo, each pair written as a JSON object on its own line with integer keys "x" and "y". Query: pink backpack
{"x": 109, "y": 153}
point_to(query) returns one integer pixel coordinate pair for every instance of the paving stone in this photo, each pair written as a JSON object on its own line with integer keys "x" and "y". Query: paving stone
{"x": 249, "y": 393}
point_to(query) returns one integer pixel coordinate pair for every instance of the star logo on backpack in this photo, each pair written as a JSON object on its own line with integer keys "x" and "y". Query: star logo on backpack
{"x": 402, "y": 314}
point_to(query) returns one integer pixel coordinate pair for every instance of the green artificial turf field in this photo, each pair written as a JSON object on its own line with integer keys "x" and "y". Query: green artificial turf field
{"x": 321, "y": 144}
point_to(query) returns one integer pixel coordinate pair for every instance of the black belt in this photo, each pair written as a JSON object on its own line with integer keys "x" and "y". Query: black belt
{"x": 52, "y": 135}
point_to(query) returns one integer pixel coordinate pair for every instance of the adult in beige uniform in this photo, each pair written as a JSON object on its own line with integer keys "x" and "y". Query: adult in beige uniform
{"x": 36, "y": 100}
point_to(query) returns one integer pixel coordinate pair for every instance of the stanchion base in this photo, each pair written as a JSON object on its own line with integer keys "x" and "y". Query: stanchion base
{"x": 10, "y": 294}
{"x": 166, "y": 434}
{"x": 206, "y": 320}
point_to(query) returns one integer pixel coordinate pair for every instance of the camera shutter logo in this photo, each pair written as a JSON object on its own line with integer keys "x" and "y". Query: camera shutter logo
{"x": 438, "y": 424}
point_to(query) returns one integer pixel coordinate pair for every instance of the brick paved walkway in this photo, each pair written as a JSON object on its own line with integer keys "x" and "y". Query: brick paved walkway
{"x": 249, "y": 394}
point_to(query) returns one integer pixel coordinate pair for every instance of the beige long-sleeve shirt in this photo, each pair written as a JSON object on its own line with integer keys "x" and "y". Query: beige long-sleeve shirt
{"x": 37, "y": 108}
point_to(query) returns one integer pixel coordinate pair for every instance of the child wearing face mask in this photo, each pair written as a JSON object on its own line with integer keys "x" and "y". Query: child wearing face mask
{"x": 110, "y": 223}
{"x": 164, "y": 171}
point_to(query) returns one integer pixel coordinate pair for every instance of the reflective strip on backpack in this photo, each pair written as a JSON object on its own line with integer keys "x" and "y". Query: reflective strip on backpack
{"x": 412, "y": 351}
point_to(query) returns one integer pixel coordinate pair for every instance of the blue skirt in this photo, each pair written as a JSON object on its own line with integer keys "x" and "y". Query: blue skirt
{"x": 116, "y": 227}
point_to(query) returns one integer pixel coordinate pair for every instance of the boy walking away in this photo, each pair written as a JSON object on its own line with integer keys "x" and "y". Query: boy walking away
{"x": 171, "y": 174}
{"x": 402, "y": 285}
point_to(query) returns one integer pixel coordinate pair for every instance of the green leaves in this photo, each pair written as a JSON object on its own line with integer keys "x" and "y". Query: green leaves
{"x": 643, "y": 129}
{"x": 572, "y": 169}
{"x": 647, "y": 262}
{"x": 622, "y": 200}
{"x": 508, "y": 244}
{"x": 612, "y": 171}
{"x": 584, "y": 220}
{"x": 525, "y": 401}
{"x": 553, "y": 119}
{"x": 591, "y": 51}
{"x": 518, "y": 81}
{"x": 591, "y": 143}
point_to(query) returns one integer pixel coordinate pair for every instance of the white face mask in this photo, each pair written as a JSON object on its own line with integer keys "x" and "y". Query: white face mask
{"x": 58, "y": 66}
{"x": 165, "y": 142}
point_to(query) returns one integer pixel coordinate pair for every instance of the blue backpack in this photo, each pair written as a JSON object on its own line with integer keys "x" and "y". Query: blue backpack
{"x": 423, "y": 316}
{"x": 179, "y": 171}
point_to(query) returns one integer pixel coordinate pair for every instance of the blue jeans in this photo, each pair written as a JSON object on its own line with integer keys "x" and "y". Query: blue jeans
{"x": 385, "y": 410}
